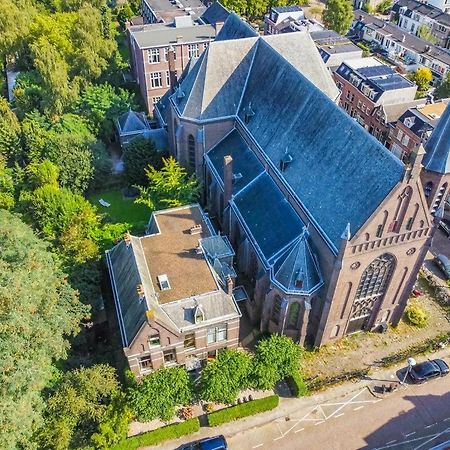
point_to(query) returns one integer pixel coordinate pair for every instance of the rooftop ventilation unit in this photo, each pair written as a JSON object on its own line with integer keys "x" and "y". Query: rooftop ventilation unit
{"x": 196, "y": 229}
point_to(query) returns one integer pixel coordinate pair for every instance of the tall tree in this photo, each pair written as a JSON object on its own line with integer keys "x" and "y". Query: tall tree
{"x": 338, "y": 16}
{"x": 222, "y": 379}
{"x": 443, "y": 89}
{"x": 422, "y": 77}
{"x": 10, "y": 134}
{"x": 169, "y": 187}
{"x": 276, "y": 358}
{"x": 77, "y": 405}
{"x": 137, "y": 156}
{"x": 38, "y": 311}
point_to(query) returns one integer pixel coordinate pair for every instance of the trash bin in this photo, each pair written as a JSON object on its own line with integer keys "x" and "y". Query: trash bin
{"x": 383, "y": 327}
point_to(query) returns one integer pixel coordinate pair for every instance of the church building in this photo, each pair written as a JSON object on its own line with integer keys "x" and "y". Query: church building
{"x": 329, "y": 228}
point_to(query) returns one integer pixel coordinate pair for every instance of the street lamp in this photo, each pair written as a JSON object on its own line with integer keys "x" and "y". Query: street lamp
{"x": 411, "y": 364}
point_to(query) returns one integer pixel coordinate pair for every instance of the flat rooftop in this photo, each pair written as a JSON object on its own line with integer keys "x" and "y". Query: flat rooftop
{"x": 433, "y": 110}
{"x": 171, "y": 252}
{"x": 167, "y": 10}
{"x": 160, "y": 34}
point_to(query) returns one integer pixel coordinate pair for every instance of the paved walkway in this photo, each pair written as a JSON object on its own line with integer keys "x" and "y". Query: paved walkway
{"x": 318, "y": 407}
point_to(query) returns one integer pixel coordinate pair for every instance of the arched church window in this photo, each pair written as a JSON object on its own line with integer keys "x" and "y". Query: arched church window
{"x": 294, "y": 312}
{"x": 439, "y": 196}
{"x": 276, "y": 309}
{"x": 191, "y": 151}
{"x": 375, "y": 278}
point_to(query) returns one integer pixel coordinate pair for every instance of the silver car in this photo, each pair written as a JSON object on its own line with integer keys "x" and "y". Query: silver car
{"x": 444, "y": 264}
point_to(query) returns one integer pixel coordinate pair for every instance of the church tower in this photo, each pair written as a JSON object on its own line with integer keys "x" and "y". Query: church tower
{"x": 436, "y": 172}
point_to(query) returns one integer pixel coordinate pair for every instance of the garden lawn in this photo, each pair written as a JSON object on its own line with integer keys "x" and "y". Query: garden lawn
{"x": 122, "y": 210}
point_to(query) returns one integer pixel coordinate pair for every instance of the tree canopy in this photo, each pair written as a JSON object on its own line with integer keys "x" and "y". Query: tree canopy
{"x": 422, "y": 77}
{"x": 338, "y": 16}
{"x": 222, "y": 379}
{"x": 38, "y": 311}
{"x": 443, "y": 89}
{"x": 158, "y": 393}
{"x": 169, "y": 187}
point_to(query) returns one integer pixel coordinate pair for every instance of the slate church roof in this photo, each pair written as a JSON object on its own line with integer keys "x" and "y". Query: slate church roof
{"x": 437, "y": 158}
{"x": 338, "y": 172}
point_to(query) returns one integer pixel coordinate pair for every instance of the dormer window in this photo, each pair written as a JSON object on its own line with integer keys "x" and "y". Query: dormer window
{"x": 409, "y": 122}
{"x": 199, "y": 315}
{"x": 163, "y": 282}
{"x": 285, "y": 161}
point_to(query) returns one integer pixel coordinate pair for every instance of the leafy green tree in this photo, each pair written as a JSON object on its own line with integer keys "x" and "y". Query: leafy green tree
{"x": 38, "y": 311}
{"x": 102, "y": 105}
{"x": 157, "y": 395}
{"x": 422, "y": 77}
{"x": 424, "y": 32}
{"x": 28, "y": 92}
{"x": 10, "y": 134}
{"x": 138, "y": 155}
{"x": 222, "y": 379}
{"x": 384, "y": 6}
{"x": 276, "y": 357}
{"x": 79, "y": 403}
{"x": 125, "y": 13}
{"x": 238, "y": 6}
{"x": 443, "y": 89}
{"x": 7, "y": 188}
{"x": 338, "y": 16}
{"x": 169, "y": 187}
{"x": 42, "y": 173}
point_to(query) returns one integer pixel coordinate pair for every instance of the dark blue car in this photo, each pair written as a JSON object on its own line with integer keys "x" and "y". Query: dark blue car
{"x": 428, "y": 370}
{"x": 214, "y": 443}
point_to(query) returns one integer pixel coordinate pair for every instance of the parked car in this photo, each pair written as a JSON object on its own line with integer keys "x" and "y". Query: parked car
{"x": 444, "y": 225}
{"x": 444, "y": 264}
{"x": 214, "y": 443}
{"x": 428, "y": 370}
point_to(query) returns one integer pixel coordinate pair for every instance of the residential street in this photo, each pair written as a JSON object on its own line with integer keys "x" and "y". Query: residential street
{"x": 415, "y": 418}
{"x": 347, "y": 417}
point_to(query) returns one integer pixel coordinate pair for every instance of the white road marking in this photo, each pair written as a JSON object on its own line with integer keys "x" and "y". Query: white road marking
{"x": 298, "y": 431}
{"x": 259, "y": 445}
{"x": 429, "y": 426}
{"x": 280, "y": 437}
{"x": 346, "y": 403}
{"x": 339, "y": 415}
{"x": 447, "y": 419}
{"x": 410, "y": 434}
{"x": 318, "y": 423}
{"x": 391, "y": 442}
{"x": 432, "y": 439}
{"x": 359, "y": 407}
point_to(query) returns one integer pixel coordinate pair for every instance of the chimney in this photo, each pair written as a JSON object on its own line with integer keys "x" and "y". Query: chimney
{"x": 227, "y": 179}
{"x": 127, "y": 238}
{"x": 218, "y": 26}
{"x": 179, "y": 39}
{"x": 229, "y": 281}
{"x": 172, "y": 70}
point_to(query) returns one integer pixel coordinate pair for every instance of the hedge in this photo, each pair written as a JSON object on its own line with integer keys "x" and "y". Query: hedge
{"x": 297, "y": 386}
{"x": 245, "y": 409}
{"x": 159, "y": 435}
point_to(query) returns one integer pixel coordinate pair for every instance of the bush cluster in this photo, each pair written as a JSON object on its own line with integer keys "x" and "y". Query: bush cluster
{"x": 415, "y": 315}
{"x": 297, "y": 385}
{"x": 239, "y": 411}
{"x": 159, "y": 435}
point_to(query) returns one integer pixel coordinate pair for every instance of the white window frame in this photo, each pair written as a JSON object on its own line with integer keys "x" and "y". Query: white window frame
{"x": 217, "y": 334}
{"x": 193, "y": 51}
{"x": 153, "y": 56}
{"x": 155, "y": 100}
{"x": 156, "y": 80}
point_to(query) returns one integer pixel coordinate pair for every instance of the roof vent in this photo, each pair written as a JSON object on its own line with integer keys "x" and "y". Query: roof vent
{"x": 163, "y": 282}
{"x": 298, "y": 283}
{"x": 199, "y": 250}
{"x": 127, "y": 238}
{"x": 285, "y": 161}
{"x": 248, "y": 113}
{"x": 180, "y": 94}
{"x": 196, "y": 229}
{"x": 237, "y": 176}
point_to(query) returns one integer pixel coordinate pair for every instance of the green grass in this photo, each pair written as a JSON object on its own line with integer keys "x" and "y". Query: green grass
{"x": 122, "y": 45}
{"x": 246, "y": 409}
{"x": 122, "y": 210}
{"x": 159, "y": 435}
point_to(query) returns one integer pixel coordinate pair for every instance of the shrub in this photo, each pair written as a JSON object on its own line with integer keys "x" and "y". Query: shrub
{"x": 297, "y": 385}
{"x": 159, "y": 435}
{"x": 244, "y": 410}
{"x": 415, "y": 315}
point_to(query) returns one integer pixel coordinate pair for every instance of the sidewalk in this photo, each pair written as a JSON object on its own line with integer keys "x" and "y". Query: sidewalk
{"x": 294, "y": 405}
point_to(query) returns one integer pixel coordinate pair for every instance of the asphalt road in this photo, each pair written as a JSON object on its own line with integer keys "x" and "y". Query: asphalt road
{"x": 416, "y": 417}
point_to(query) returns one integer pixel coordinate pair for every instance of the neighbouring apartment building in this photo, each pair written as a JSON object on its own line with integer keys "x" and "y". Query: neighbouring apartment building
{"x": 329, "y": 227}
{"x": 165, "y": 11}
{"x": 174, "y": 291}
{"x": 402, "y": 48}
{"x": 287, "y": 19}
{"x": 413, "y": 128}
{"x": 373, "y": 93}
{"x": 413, "y": 15}
{"x": 334, "y": 48}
